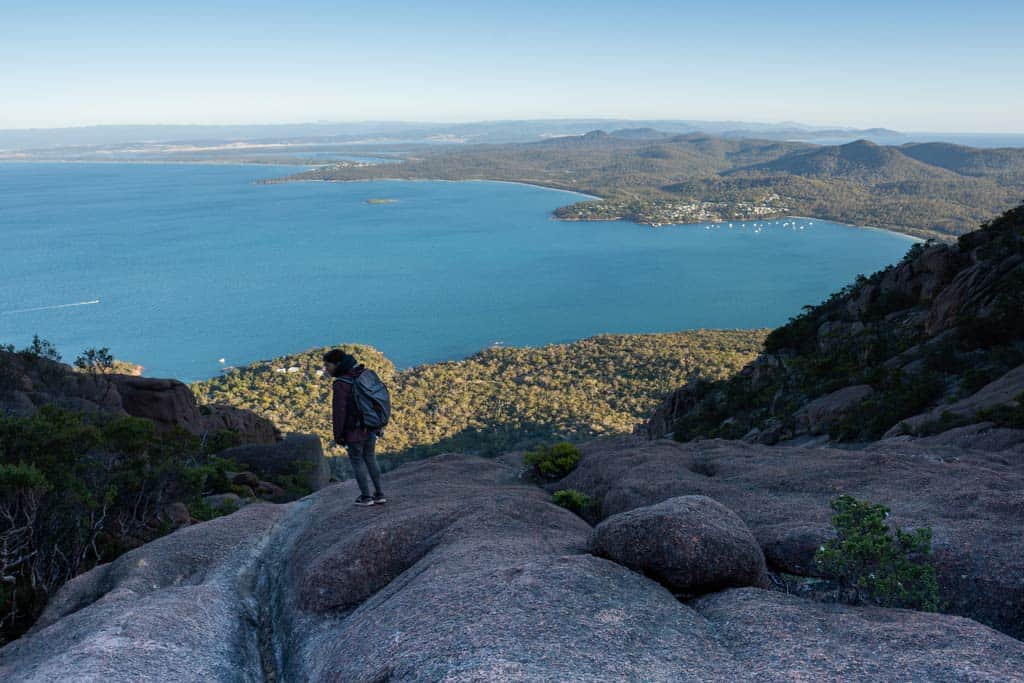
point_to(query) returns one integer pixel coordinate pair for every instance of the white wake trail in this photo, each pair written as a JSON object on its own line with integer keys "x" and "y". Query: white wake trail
{"x": 51, "y": 308}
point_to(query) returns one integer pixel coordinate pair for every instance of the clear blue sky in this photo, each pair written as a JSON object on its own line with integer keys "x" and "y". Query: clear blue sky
{"x": 922, "y": 66}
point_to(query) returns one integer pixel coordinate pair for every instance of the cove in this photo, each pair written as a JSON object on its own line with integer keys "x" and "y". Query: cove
{"x": 177, "y": 266}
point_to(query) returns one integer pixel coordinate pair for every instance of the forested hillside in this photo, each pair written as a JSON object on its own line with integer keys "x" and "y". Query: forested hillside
{"x": 928, "y": 190}
{"x": 500, "y": 398}
{"x": 932, "y": 344}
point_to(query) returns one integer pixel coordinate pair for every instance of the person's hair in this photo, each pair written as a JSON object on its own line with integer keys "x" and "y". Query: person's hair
{"x": 344, "y": 361}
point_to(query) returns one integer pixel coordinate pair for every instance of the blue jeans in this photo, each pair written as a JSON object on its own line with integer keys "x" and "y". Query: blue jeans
{"x": 363, "y": 459}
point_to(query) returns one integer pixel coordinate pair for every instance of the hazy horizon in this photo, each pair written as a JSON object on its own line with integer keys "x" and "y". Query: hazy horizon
{"x": 910, "y": 66}
{"x": 528, "y": 119}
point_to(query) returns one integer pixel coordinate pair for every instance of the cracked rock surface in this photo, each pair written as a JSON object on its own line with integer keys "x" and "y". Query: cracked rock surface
{"x": 465, "y": 575}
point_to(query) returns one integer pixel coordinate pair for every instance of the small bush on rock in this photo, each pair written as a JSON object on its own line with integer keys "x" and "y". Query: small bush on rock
{"x": 553, "y": 462}
{"x": 876, "y": 564}
{"x": 574, "y": 501}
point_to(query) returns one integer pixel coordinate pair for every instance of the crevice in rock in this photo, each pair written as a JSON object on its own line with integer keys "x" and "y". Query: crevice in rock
{"x": 263, "y": 594}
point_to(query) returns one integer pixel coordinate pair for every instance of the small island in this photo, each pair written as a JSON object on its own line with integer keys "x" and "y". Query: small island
{"x": 380, "y": 200}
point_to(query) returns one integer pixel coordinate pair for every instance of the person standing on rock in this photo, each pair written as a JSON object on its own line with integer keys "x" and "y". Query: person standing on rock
{"x": 360, "y": 441}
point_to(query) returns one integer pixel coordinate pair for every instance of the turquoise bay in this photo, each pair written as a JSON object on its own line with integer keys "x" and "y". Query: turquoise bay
{"x": 194, "y": 263}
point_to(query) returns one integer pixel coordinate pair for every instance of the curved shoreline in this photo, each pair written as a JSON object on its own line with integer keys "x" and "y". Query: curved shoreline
{"x": 292, "y": 179}
{"x": 276, "y": 181}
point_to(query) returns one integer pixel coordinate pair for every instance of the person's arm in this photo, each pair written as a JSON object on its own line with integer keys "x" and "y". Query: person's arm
{"x": 338, "y": 404}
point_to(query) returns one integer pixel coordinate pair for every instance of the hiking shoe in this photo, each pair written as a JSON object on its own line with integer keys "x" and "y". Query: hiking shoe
{"x": 364, "y": 501}
{"x": 379, "y": 499}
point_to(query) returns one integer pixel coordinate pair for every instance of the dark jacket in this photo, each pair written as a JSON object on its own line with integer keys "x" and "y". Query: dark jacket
{"x": 343, "y": 411}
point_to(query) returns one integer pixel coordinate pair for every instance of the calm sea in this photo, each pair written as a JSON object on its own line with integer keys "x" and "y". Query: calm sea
{"x": 178, "y": 266}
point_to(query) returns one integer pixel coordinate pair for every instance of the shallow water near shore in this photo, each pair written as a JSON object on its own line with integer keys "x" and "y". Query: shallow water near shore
{"x": 177, "y": 266}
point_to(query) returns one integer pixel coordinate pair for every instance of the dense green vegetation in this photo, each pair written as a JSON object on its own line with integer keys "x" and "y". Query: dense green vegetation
{"x": 857, "y": 336}
{"x": 929, "y": 190}
{"x": 876, "y": 564}
{"x": 80, "y": 489}
{"x": 500, "y": 398}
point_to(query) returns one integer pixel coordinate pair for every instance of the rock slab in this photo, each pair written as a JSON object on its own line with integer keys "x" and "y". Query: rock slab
{"x": 465, "y": 575}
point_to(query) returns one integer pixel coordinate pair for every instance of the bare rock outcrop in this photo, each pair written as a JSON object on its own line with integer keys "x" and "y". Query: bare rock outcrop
{"x": 973, "y": 289}
{"x": 817, "y": 416}
{"x": 465, "y": 575}
{"x": 26, "y": 384}
{"x": 984, "y": 436}
{"x": 973, "y": 500}
{"x": 779, "y": 637}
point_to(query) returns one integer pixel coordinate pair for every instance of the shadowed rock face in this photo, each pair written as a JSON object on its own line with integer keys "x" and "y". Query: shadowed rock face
{"x": 1002, "y": 391}
{"x": 973, "y": 500}
{"x": 465, "y": 575}
{"x": 24, "y": 386}
{"x": 296, "y": 454}
{"x": 691, "y": 544}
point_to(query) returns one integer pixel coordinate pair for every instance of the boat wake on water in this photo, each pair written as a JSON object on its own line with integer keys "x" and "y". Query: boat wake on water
{"x": 51, "y": 308}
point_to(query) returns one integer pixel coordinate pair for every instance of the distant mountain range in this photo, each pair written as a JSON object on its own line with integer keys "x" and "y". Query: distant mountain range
{"x": 492, "y": 132}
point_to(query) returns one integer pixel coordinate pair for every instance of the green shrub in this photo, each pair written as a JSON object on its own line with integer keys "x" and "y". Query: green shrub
{"x": 553, "y": 462}
{"x": 876, "y": 564}
{"x": 574, "y": 500}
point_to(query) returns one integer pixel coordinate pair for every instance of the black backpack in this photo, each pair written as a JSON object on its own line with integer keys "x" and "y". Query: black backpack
{"x": 371, "y": 400}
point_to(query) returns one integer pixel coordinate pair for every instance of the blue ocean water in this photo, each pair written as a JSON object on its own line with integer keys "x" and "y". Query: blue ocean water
{"x": 193, "y": 263}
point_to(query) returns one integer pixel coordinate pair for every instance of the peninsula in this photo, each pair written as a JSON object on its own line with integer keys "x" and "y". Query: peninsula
{"x": 928, "y": 190}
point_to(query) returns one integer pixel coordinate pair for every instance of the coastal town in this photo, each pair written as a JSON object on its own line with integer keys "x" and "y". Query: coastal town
{"x": 659, "y": 212}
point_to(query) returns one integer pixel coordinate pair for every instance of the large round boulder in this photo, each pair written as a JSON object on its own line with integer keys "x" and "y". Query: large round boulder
{"x": 691, "y": 544}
